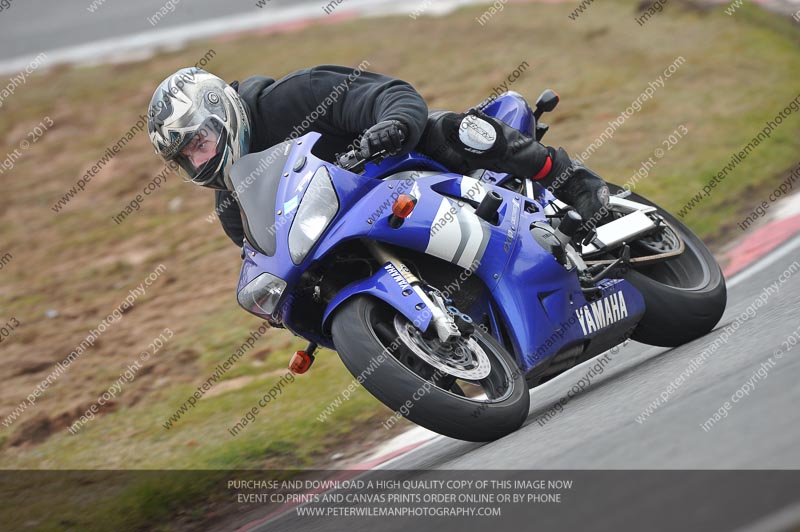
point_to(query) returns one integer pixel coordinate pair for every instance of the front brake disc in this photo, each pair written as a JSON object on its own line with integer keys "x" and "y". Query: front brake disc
{"x": 462, "y": 358}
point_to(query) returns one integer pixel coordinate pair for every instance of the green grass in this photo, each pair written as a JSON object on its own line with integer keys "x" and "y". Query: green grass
{"x": 739, "y": 72}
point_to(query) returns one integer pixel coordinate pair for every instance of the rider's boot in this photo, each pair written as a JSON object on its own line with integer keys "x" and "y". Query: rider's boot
{"x": 568, "y": 180}
{"x": 577, "y": 185}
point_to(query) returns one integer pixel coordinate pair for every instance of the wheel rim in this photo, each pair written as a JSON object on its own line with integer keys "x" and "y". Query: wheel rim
{"x": 495, "y": 387}
{"x": 662, "y": 242}
{"x": 687, "y": 271}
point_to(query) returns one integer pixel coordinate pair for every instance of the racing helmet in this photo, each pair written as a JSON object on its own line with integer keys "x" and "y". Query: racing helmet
{"x": 201, "y": 123}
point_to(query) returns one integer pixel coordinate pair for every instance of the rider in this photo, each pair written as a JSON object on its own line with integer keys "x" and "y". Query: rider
{"x": 205, "y": 124}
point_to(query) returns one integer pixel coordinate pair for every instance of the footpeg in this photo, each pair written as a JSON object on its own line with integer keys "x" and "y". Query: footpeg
{"x": 589, "y": 238}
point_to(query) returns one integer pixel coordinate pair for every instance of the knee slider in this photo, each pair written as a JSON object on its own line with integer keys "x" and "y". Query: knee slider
{"x": 476, "y": 134}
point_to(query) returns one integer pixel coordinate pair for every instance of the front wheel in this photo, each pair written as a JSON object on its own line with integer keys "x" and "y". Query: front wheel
{"x": 684, "y": 296}
{"x": 470, "y": 389}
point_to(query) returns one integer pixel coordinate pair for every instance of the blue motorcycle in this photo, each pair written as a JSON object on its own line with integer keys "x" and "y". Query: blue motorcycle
{"x": 448, "y": 296}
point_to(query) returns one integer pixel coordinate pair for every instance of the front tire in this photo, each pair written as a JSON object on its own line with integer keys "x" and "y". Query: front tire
{"x": 361, "y": 333}
{"x": 685, "y": 297}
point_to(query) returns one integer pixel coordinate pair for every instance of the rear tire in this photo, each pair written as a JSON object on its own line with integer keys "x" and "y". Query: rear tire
{"x": 685, "y": 297}
{"x": 395, "y": 384}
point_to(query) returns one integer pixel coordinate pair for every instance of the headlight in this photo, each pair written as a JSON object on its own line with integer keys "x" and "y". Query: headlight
{"x": 317, "y": 208}
{"x": 261, "y": 295}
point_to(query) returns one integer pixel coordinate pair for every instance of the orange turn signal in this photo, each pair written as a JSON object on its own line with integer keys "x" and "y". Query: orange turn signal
{"x": 404, "y": 205}
{"x": 300, "y": 362}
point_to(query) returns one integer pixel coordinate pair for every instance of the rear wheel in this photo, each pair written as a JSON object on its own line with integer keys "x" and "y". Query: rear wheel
{"x": 470, "y": 389}
{"x": 685, "y": 296}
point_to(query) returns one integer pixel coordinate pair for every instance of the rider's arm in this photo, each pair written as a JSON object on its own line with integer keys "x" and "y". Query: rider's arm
{"x": 360, "y": 99}
{"x": 227, "y": 209}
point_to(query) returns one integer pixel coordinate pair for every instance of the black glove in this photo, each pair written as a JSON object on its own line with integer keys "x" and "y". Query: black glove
{"x": 387, "y": 135}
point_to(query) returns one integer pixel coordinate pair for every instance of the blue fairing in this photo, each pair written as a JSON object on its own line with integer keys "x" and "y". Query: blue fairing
{"x": 385, "y": 284}
{"x": 529, "y": 295}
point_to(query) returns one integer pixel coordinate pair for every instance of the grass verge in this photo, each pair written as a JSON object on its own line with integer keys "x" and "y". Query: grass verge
{"x": 78, "y": 264}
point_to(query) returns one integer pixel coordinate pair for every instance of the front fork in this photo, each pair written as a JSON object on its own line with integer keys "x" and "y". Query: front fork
{"x": 443, "y": 322}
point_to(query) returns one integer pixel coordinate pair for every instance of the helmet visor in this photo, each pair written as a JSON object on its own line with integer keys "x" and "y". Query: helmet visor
{"x": 201, "y": 156}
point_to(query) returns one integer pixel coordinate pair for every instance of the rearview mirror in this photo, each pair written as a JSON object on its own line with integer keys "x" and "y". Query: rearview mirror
{"x": 547, "y": 101}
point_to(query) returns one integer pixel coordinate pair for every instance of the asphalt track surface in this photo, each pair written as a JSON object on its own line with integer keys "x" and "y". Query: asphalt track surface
{"x": 33, "y": 26}
{"x": 598, "y": 429}
{"x": 28, "y": 27}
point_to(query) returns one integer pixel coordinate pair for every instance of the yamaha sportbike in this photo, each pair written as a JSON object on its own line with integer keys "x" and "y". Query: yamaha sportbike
{"x": 448, "y": 296}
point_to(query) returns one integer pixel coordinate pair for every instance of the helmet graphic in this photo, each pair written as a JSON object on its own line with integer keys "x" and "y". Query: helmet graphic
{"x": 201, "y": 123}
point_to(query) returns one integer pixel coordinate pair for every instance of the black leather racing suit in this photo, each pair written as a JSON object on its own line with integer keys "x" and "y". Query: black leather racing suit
{"x": 341, "y": 102}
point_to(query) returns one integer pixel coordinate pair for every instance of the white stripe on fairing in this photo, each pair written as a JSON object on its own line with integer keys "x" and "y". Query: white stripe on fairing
{"x": 444, "y": 243}
{"x": 473, "y": 246}
{"x": 470, "y": 184}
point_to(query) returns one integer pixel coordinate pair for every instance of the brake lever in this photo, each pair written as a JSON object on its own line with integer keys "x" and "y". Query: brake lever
{"x": 353, "y": 162}
{"x": 348, "y": 160}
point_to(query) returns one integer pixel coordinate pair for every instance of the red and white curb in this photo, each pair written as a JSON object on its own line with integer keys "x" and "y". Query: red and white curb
{"x": 380, "y": 458}
{"x": 779, "y": 228}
